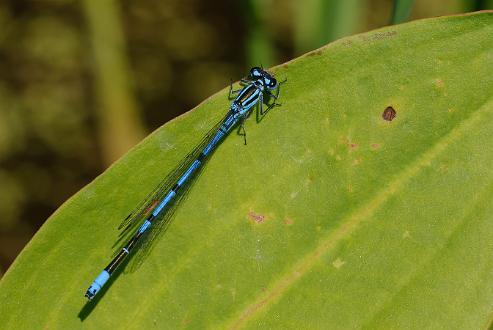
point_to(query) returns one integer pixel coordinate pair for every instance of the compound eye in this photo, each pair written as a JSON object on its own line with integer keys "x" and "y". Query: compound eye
{"x": 271, "y": 82}
{"x": 256, "y": 72}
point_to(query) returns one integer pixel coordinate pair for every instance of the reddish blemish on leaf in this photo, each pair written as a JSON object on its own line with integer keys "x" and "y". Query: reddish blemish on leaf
{"x": 439, "y": 83}
{"x": 375, "y": 146}
{"x": 288, "y": 221}
{"x": 256, "y": 217}
{"x": 351, "y": 145}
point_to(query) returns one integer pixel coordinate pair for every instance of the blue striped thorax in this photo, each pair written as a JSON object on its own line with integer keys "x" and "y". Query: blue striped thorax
{"x": 260, "y": 81}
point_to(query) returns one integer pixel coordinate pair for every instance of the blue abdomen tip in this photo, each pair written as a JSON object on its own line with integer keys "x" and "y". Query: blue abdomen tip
{"x": 98, "y": 283}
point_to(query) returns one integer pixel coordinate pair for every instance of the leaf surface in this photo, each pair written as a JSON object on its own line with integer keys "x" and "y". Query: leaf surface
{"x": 330, "y": 217}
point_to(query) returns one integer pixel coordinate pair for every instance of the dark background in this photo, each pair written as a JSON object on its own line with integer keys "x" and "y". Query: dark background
{"x": 83, "y": 81}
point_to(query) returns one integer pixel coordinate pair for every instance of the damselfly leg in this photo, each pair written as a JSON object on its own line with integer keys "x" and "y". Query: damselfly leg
{"x": 232, "y": 91}
{"x": 241, "y": 128}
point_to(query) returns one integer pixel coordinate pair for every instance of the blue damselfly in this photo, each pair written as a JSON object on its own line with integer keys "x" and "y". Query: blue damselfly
{"x": 154, "y": 212}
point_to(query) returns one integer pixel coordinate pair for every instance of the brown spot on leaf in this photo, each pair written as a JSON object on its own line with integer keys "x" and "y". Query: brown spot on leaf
{"x": 256, "y": 217}
{"x": 375, "y": 146}
{"x": 378, "y": 35}
{"x": 439, "y": 83}
{"x": 389, "y": 114}
{"x": 288, "y": 221}
{"x": 347, "y": 141}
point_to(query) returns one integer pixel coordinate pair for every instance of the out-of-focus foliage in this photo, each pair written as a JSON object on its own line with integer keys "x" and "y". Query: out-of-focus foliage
{"x": 320, "y": 21}
{"x": 120, "y": 125}
{"x": 402, "y": 10}
{"x": 177, "y": 53}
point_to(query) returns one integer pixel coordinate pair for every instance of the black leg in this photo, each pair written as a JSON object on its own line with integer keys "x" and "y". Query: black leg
{"x": 242, "y": 128}
{"x": 261, "y": 113}
{"x": 271, "y": 106}
{"x": 260, "y": 109}
{"x": 270, "y": 94}
{"x": 231, "y": 91}
{"x": 261, "y": 104}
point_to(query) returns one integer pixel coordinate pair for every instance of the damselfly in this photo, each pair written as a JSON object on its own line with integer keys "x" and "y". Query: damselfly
{"x": 154, "y": 212}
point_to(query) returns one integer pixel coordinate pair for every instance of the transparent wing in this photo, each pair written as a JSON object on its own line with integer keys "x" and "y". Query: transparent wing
{"x": 156, "y": 195}
{"x": 158, "y": 228}
{"x": 143, "y": 210}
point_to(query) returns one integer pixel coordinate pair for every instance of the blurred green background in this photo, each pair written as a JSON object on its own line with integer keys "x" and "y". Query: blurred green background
{"x": 81, "y": 82}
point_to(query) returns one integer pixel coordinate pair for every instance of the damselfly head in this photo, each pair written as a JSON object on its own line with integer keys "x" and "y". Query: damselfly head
{"x": 256, "y": 72}
{"x": 263, "y": 78}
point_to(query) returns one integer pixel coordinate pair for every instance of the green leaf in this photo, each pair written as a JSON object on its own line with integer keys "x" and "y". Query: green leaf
{"x": 330, "y": 217}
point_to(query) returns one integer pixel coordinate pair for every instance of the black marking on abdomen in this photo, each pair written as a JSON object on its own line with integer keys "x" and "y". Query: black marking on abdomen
{"x": 201, "y": 156}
